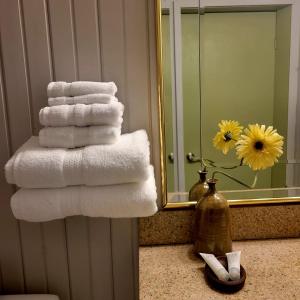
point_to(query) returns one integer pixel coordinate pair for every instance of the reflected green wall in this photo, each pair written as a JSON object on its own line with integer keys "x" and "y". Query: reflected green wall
{"x": 167, "y": 98}
{"x": 243, "y": 78}
{"x": 190, "y": 93}
{"x": 237, "y": 80}
{"x": 281, "y": 86}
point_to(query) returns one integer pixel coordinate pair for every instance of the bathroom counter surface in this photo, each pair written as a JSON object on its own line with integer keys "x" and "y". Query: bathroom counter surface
{"x": 173, "y": 272}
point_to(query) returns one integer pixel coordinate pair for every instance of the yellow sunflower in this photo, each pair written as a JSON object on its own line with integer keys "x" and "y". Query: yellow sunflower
{"x": 228, "y": 135}
{"x": 260, "y": 147}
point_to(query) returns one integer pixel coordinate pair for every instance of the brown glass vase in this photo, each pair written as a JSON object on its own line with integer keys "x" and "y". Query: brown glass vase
{"x": 199, "y": 188}
{"x": 212, "y": 227}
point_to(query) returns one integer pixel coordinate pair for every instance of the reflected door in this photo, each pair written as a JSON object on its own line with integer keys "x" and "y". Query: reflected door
{"x": 181, "y": 93}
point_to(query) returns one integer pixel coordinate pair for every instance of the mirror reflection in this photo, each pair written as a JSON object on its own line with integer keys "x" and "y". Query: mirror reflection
{"x": 227, "y": 63}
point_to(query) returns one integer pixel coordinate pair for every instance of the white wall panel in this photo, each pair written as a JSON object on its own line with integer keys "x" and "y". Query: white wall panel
{"x": 42, "y": 40}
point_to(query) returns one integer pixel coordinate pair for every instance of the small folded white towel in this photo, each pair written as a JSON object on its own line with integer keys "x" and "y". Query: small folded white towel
{"x": 72, "y": 137}
{"x": 77, "y": 88}
{"x": 119, "y": 201}
{"x": 33, "y": 166}
{"x": 82, "y": 115}
{"x": 84, "y": 99}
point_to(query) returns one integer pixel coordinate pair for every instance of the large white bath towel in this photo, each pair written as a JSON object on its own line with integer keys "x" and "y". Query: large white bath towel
{"x": 82, "y": 115}
{"x": 118, "y": 201}
{"x": 84, "y": 99}
{"x": 72, "y": 137}
{"x": 33, "y": 166}
{"x": 77, "y": 88}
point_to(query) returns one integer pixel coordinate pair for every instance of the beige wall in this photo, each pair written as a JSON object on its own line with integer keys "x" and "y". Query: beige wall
{"x": 77, "y": 258}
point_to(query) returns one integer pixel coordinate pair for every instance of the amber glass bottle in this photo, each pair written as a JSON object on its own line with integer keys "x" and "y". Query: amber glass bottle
{"x": 212, "y": 227}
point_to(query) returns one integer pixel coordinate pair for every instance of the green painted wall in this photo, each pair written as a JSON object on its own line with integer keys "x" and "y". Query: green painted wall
{"x": 190, "y": 93}
{"x": 281, "y": 86}
{"x": 167, "y": 98}
{"x": 238, "y": 68}
{"x": 237, "y": 80}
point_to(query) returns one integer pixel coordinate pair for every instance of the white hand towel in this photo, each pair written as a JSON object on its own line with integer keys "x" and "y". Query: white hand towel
{"x": 72, "y": 137}
{"x": 77, "y": 88}
{"x": 33, "y": 166}
{"x": 84, "y": 99}
{"x": 119, "y": 201}
{"x": 82, "y": 115}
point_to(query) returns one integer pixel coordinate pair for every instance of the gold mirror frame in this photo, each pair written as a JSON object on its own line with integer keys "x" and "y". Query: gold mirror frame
{"x": 164, "y": 196}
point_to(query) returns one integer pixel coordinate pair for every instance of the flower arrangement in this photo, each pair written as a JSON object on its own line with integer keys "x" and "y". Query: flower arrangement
{"x": 257, "y": 146}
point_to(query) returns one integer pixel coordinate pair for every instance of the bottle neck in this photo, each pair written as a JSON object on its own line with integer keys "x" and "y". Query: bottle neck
{"x": 202, "y": 176}
{"x": 212, "y": 186}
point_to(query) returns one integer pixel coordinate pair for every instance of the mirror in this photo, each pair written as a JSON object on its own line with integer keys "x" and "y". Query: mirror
{"x": 224, "y": 60}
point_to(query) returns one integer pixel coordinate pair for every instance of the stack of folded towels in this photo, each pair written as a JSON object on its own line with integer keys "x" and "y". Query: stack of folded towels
{"x": 81, "y": 164}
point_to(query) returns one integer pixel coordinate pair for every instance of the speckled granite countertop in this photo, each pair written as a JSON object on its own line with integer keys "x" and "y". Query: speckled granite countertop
{"x": 173, "y": 272}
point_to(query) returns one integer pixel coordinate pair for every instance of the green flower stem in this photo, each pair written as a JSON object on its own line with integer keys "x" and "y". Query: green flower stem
{"x": 203, "y": 164}
{"x": 237, "y": 180}
{"x": 212, "y": 164}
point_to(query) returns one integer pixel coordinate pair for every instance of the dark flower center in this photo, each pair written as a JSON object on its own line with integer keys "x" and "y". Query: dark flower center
{"x": 227, "y": 136}
{"x": 258, "y": 145}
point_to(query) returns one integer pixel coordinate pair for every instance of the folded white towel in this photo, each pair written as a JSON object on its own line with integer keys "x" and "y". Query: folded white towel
{"x": 33, "y": 166}
{"x": 82, "y": 115}
{"x": 72, "y": 137}
{"x": 84, "y": 99}
{"x": 119, "y": 201}
{"x": 77, "y": 88}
